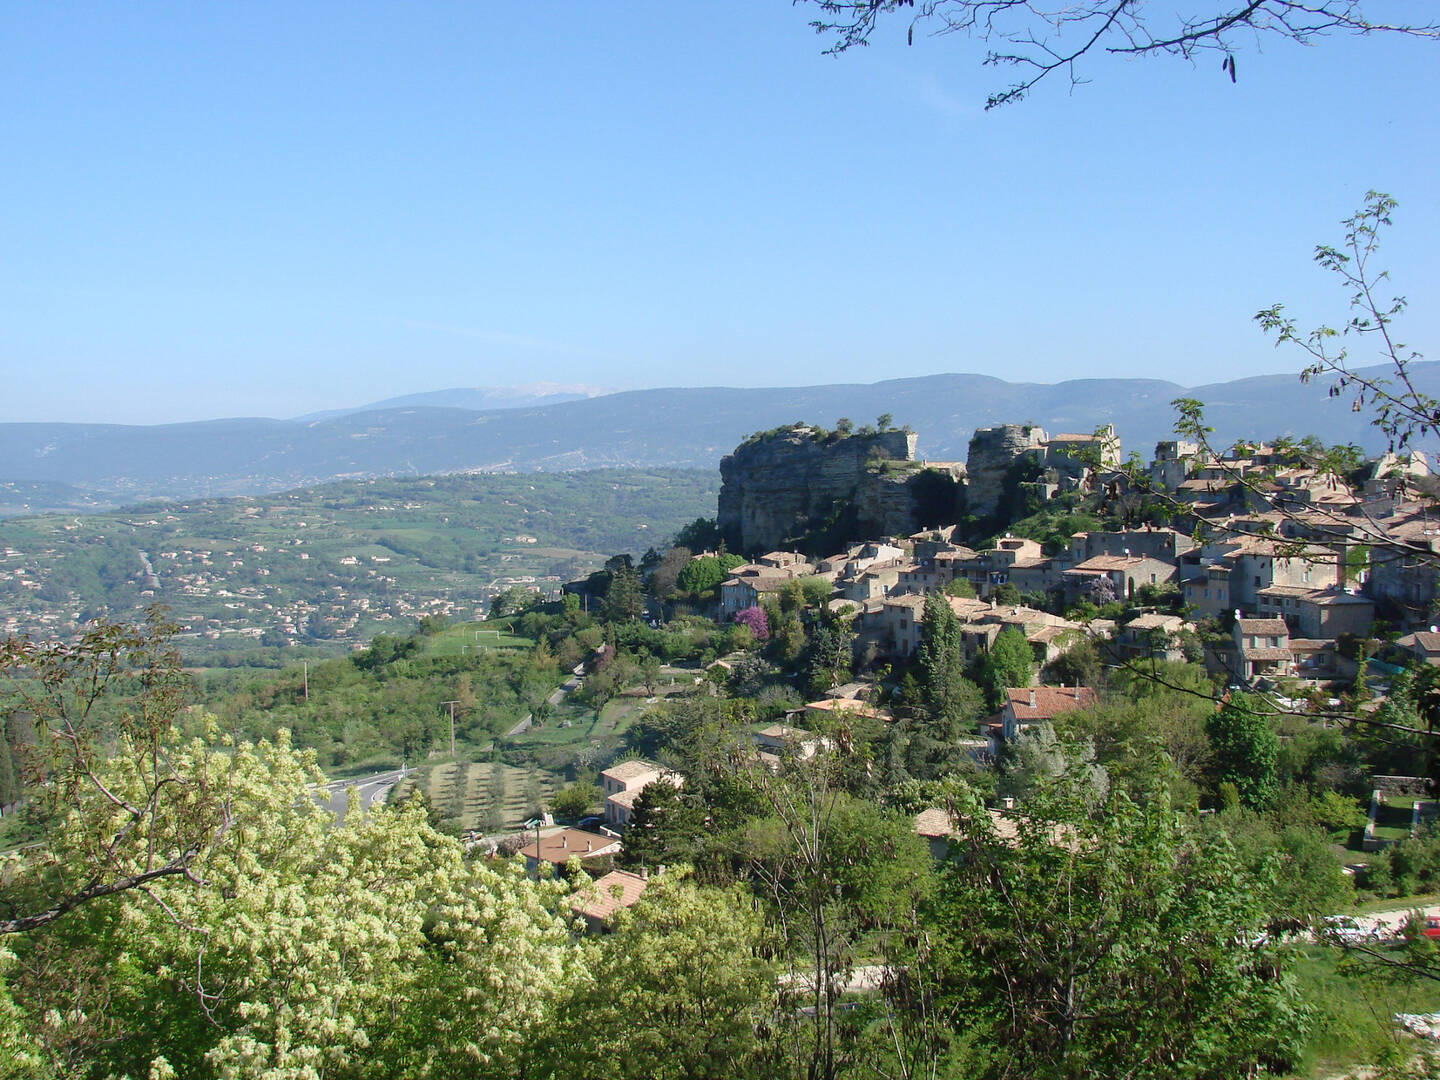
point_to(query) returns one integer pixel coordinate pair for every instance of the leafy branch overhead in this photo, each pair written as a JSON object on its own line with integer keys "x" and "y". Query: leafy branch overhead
{"x": 1041, "y": 37}
{"x": 1402, "y": 411}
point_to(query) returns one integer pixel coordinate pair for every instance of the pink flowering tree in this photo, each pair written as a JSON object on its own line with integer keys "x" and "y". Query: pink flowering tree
{"x": 754, "y": 617}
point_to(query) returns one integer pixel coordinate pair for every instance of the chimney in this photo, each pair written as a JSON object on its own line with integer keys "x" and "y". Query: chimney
{"x": 1032, "y": 700}
{"x": 644, "y": 874}
{"x": 1008, "y": 802}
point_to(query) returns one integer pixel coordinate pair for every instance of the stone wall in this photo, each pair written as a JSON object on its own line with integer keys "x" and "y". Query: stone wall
{"x": 1401, "y": 785}
{"x": 791, "y": 482}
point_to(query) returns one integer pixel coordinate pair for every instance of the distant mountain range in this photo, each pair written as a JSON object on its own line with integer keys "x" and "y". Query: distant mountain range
{"x": 103, "y": 464}
{"x": 476, "y": 398}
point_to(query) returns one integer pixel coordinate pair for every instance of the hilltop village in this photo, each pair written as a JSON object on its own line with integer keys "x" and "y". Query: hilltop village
{"x": 1263, "y": 562}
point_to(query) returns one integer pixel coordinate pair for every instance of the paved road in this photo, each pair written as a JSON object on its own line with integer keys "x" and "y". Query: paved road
{"x": 1391, "y": 921}
{"x": 373, "y": 788}
{"x": 569, "y": 686}
{"x": 863, "y": 979}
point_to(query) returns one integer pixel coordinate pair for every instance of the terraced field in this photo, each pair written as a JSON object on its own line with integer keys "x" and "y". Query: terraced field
{"x": 487, "y": 797}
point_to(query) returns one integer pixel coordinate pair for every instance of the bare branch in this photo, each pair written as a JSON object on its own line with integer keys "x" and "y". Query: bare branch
{"x": 94, "y": 891}
{"x": 1047, "y": 36}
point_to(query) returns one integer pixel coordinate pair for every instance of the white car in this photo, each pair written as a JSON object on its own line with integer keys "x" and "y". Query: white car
{"x": 1347, "y": 930}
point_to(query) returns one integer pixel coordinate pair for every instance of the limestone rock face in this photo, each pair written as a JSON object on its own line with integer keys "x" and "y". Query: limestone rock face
{"x": 791, "y": 482}
{"x": 992, "y": 452}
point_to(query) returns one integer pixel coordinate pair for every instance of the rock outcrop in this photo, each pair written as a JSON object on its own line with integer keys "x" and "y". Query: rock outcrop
{"x": 992, "y": 452}
{"x": 1067, "y": 460}
{"x": 796, "y": 482}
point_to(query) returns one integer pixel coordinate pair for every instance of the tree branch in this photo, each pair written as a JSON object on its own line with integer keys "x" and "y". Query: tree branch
{"x": 1054, "y": 35}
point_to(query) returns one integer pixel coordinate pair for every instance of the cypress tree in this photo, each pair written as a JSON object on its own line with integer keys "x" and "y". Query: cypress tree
{"x": 9, "y": 782}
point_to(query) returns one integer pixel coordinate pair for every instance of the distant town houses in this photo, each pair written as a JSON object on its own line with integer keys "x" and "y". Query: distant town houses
{"x": 748, "y": 584}
{"x": 1279, "y": 555}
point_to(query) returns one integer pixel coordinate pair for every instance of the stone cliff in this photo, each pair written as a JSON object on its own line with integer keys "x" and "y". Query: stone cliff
{"x": 992, "y": 452}
{"x": 795, "y": 483}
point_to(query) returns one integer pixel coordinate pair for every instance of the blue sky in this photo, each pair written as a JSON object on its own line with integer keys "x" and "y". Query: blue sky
{"x": 266, "y": 209}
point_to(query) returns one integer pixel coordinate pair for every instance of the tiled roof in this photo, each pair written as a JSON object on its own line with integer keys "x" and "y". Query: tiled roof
{"x": 568, "y": 844}
{"x": 1153, "y": 620}
{"x": 607, "y": 895}
{"x": 934, "y": 823}
{"x": 1427, "y": 641}
{"x": 1111, "y": 562}
{"x": 1049, "y": 701}
{"x": 1262, "y": 626}
{"x": 626, "y": 798}
{"x": 844, "y": 705}
{"x": 631, "y": 770}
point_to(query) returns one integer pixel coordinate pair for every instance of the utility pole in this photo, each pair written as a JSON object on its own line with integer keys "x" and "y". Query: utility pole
{"x": 452, "y": 705}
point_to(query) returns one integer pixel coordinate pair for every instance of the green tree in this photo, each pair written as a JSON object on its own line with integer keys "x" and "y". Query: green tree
{"x": 817, "y": 591}
{"x": 1036, "y": 759}
{"x": 1245, "y": 749}
{"x": 625, "y": 599}
{"x": 842, "y": 875}
{"x": 681, "y": 990}
{"x": 575, "y": 801}
{"x": 960, "y": 587}
{"x": 650, "y": 673}
{"x": 665, "y": 828}
{"x": 829, "y": 655}
{"x": 515, "y": 600}
{"x": 150, "y": 820}
{"x": 1009, "y": 664}
{"x": 705, "y": 573}
{"x": 1079, "y": 665}
{"x": 1143, "y": 970}
{"x": 700, "y": 535}
{"x": 9, "y": 780}
{"x": 950, "y": 704}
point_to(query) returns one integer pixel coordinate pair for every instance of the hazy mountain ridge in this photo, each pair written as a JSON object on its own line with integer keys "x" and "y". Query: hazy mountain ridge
{"x": 678, "y": 427}
{"x": 477, "y": 398}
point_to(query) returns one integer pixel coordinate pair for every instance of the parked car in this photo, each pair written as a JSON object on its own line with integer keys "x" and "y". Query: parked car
{"x": 1347, "y": 930}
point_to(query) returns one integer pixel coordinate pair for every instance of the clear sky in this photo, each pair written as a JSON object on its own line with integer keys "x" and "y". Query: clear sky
{"x": 267, "y": 209}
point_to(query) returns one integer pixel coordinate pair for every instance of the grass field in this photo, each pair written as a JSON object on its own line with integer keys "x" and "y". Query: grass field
{"x": 1353, "y": 1022}
{"x": 1393, "y": 820}
{"x": 465, "y": 638}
